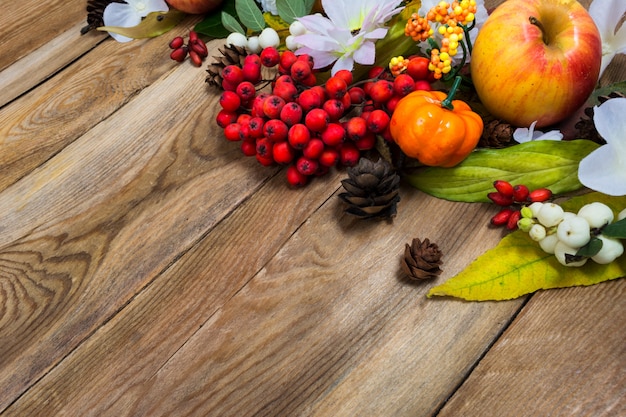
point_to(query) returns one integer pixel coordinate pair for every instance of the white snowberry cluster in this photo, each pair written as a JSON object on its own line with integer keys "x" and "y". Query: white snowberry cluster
{"x": 255, "y": 44}
{"x": 564, "y": 233}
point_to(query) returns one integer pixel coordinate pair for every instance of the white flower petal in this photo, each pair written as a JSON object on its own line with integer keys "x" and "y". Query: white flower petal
{"x": 607, "y": 14}
{"x": 551, "y": 135}
{"x": 610, "y": 122}
{"x": 602, "y": 171}
{"x": 345, "y": 62}
{"x": 366, "y": 54}
{"x": 122, "y": 15}
{"x": 155, "y": 6}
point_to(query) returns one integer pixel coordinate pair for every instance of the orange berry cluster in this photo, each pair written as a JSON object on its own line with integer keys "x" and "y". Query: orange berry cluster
{"x": 398, "y": 64}
{"x": 449, "y": 16}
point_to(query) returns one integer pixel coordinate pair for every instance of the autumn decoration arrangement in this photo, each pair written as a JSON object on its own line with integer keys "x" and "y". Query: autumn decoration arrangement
{"x": 445, "y": 96}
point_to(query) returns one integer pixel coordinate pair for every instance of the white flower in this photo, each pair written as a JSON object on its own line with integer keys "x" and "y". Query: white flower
{"x": 607, "y": 14}
{"x": 479, "y": 17}
{"x": 269, "y": 6}
{"x": 523, "y": 134}
{"x": 604, "y": 169}
{"x": 129, "y": 14}
{"x": 348, "y": 34}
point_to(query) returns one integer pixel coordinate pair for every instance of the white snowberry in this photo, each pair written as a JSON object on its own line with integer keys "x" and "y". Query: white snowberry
{"x": 237, "y": 39}
{"x": 597, "y": 214}
{"x": 574, "y": 232}
{"x": 550, "y": 214}
{"x": 611, "y": 250}
{"x": 561, "y": 250}
{"x": 535, "y": 207}
{"x": 548, "y": 243}
{"x": 537, "y": 232}
{"x": 297, "y": 28}
{"x": 253, "y": 44}
{"x": 291, "y": 44}
{"x": 269, "y": 37}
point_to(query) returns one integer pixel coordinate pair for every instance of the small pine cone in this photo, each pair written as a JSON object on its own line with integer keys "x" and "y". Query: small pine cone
{"x": 372, "y": 189}
{"x": 586, "y": 128}
{"x": 229, "y": 55}
{"x": 95, "y": 9}
{"x": 422, "y": 260}
{"x": 496, "y": 134}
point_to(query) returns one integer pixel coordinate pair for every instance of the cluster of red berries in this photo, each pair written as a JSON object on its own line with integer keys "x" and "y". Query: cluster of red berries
{"x": 195, "y": 48}
{"x": 305, "y": 126}
{"x": 508, "y": 195}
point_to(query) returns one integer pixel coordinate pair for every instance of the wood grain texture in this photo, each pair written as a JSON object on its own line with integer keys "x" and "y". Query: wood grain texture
{"x": 326, "y": 320}
{"x": 563, "y": 356}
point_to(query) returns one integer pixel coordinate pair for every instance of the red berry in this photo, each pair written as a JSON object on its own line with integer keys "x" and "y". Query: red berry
{"x": 179, "y": 54}
{"x": 511, "y": 224}
{"x": 264, "y": 147}
{"x": 252, "y": 59}
{"x": 251, "y": 72}
{"x": 199, "y": 47}
{"x": 272, "y": 106}
{"x": 195, "y": 58}
{"x": 233, "y": 74}
{"x": 229, "y": 100}
{"x": 334, "y": 134}
{"x": 224, "y": 118}
{"x": 502, "y": 217}
{"x": 306, "y": 58}
{"x": 375, "y": 71}
{"x": 329, "y": 157}
{"x": 246, "y": 91}
{"x": 367, "y": 142}
{"x": 417, "y": 68}
{"x": 313, "y": 149}
{"x": 265, "y": 160}
{"x": 307, "y": 166}
{"x": 283, "y": 153}
{"x": 346, "y": 75}
{"x": 520, "y": 193}
{"x": 336, "y": 87}
{"x": 403, "y": 84}
{"x": 423, "y": 85}
{"x": 298, "y": 136}
{"x": 334, "y": 108}
{"x": 503, "y": 187}
{"x": 500, "y": 199}
{"x": 275, "y": 130}
{"x": 248, "y": 148}
{"x": 232, "y": 132}
{"x": 286, "y": 91}
{"x": 540, "y": 195}
{"x": 300, "y": 70}
{"x": 255, "y": 126}
{"x": 392, "y": 103}
{"x": 357, "y": 95}
{"x": 356, "y": 128}
{"x": 295, "y": 177}
{"x": 316, "y": 120}
{"x": 270, "y": 57}
{"x": 381, "y": 91}
{"x": 177, "y": 42}
{"x": 309, "y": 99}
{"x": 193, "y": 35}
{"x": 349, "y": 155}
{"x": 377, "y": 121}
{"x": 287, "y": 58}
{"x": 291, "y": 113}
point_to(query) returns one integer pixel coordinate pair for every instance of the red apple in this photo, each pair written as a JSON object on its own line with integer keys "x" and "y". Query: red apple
{"x": 195, "y": 6}
{"x": 536, "y": 60}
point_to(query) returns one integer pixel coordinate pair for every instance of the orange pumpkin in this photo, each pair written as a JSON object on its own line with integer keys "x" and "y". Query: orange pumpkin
{"x": 432, "y": 132}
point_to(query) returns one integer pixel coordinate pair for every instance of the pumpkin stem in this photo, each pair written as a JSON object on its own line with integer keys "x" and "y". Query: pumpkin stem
{"x": 447, "y": 103}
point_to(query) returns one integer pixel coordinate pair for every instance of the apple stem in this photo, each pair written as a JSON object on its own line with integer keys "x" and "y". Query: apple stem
{"x": 534, "y": 21}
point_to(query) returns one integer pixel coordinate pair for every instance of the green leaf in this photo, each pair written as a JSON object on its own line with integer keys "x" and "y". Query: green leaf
{"x": 537, "y": 164}
{"x": 615, "y": 230}
{"x": 288, "y": 10}
{"x": 250, "y": 15}
{"x": 308, "y": 6}
{"x": 590, "y": 249}
{"x": 517, "y": 266}
{"x": 154, "y": 24}
{"x": 231, "y": 24}
{"x": 212, "y": 25}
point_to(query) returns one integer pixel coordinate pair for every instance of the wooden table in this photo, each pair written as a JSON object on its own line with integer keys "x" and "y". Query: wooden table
{"x": 147, "y": 268}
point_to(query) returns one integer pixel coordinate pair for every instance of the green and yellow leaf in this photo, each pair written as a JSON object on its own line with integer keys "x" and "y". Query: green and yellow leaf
{"x": 518, "y": 266}
{"x": 154, "y": 24}
{"x": 537, "y": 164}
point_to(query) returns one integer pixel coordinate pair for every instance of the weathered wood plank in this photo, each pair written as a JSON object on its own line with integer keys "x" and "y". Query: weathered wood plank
{"x": 27, "y": 25}
{"x": 564, "y": 355}
{"x": 86, "y": 231}
{"x": 42, "y": 122}
{"x": 327, "y": 327}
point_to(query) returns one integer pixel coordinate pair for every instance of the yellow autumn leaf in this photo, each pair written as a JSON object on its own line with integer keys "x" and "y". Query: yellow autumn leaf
{"x": 518, "y": 266}
{"x": 154, "y": 24}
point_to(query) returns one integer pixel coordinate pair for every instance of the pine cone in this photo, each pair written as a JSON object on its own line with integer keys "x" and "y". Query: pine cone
{"x": 230, "y": 55}
{"x": 95, "y": 9}
{"x": 372, "y": 189}
{"x": 422, "y": 260}
{"x": 496, "y": 134}
{"x": 586, "y": 128}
